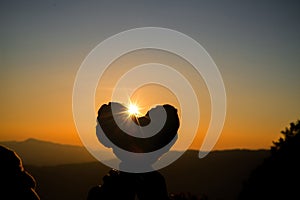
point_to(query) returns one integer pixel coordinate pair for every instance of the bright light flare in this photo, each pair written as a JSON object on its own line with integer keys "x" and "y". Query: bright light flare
{"x": 133, "y": 109}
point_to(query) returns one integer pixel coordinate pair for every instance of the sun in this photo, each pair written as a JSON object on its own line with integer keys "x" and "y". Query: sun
{"x": 133, "y": 109}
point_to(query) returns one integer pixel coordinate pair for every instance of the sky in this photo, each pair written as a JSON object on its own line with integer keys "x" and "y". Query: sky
{"x": 255, "y": 44}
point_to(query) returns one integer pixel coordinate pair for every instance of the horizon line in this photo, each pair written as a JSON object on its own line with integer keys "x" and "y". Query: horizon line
{"x": 78, "y": 145}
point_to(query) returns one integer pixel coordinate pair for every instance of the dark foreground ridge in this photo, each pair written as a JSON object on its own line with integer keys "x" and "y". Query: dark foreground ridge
{"x": 220, "y": 175}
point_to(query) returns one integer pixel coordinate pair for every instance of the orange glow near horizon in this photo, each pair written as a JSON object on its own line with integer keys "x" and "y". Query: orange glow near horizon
{"x": 44, "y": 111}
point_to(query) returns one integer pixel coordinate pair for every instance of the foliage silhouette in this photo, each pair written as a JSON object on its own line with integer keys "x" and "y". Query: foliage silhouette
{"x": 278, "y": 176}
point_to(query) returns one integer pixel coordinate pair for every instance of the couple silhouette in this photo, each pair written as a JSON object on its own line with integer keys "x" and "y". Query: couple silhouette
{"x": 134, "y": 151}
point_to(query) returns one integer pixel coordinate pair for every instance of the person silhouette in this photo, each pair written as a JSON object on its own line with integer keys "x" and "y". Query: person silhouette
{"x": 133, "y": 151}
{"x": 15, "y": 181}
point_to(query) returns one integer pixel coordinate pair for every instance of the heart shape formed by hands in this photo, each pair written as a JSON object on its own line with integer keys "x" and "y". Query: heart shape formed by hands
{"x": 129, "y": 142}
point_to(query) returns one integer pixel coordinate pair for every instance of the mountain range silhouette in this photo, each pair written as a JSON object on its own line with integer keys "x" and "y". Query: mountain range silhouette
{"x": 68, "y": 172}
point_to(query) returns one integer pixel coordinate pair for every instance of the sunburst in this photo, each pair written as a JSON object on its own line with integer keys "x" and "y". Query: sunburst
{"x": 133, "y": 109}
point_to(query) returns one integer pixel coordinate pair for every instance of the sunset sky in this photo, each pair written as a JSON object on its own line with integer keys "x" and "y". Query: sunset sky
{"x": 255, "y": 44}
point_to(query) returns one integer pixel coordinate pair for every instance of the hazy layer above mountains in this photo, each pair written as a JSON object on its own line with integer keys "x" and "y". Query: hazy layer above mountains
{"x": 42, "y": 153}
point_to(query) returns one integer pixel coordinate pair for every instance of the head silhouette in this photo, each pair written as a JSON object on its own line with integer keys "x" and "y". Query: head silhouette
{"x": 15, "y": 182}
{"x": 134, "y": 143}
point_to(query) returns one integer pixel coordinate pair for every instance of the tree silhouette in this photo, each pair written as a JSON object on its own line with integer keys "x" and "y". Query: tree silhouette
{"x": 278, "y": 177}
{"x": 289, "y": 144}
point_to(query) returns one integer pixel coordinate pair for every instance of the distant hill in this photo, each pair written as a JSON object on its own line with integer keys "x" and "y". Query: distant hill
{"x": 41, "y": 153}
{"x": 219, "y": 175}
